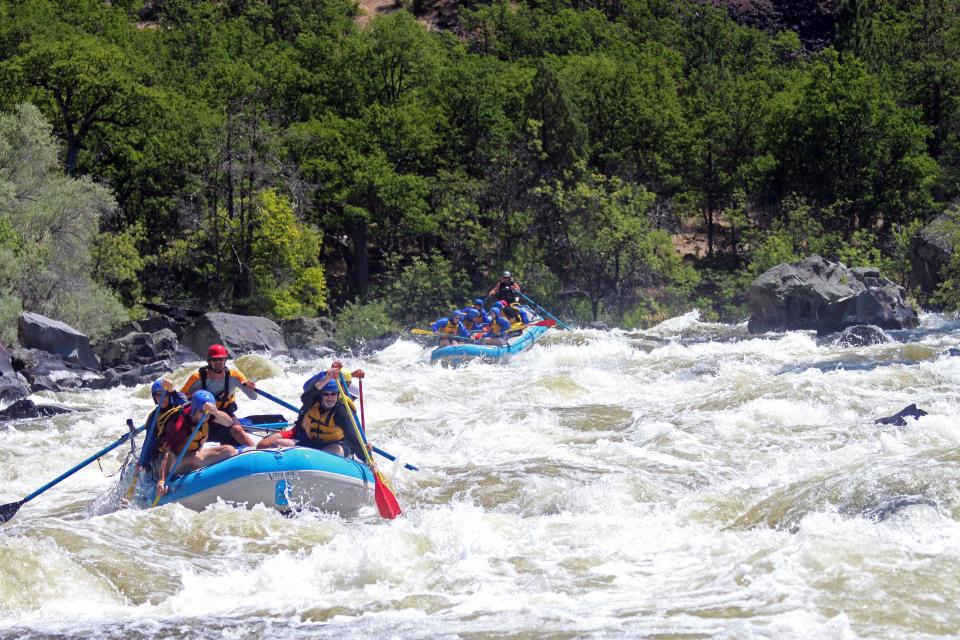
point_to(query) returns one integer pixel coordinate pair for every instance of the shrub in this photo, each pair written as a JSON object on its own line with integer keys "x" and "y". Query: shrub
{"x": 358, "y": 322}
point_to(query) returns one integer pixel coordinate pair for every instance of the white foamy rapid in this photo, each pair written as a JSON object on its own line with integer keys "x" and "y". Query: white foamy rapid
{"x": 686, "y": 481}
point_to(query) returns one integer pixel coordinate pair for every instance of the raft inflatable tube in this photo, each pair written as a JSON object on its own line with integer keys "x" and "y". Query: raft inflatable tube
{"x": 461, "y": 353}
{"x": 286, "y": 479}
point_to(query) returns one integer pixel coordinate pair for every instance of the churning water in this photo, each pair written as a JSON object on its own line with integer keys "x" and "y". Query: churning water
{"x": 688, "y": 481}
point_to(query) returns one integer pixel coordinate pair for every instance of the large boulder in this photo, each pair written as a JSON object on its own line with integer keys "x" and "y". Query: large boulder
{"x": 307, "y": 333}
{"x": 240, "y": 334}
{"x": 825, "y": 296}
{"x": 931, "y": 250}
{"x": 35, "y": 331}
{"x": 138, "y": 348}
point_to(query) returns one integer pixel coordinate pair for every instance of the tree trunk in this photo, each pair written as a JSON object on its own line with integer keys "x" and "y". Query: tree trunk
{"x": 360, "y": 274}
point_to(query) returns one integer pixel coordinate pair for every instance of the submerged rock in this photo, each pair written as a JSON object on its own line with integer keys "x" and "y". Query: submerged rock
{"x": 899, "y": 419}
{"x": 862, "y": 335}
{"x": 26, "y": 408}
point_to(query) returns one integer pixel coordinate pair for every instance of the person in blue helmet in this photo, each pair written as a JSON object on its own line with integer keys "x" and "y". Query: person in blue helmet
{"x": 478, "y": 307}
{"x": 172, "y": 397}
{"x": 324, "y": 421}
{"x": 174, "y": 428}
{"x": 474, "y": 321}
{"x": 496, "y": 332}
{"x": 449, "y": 329}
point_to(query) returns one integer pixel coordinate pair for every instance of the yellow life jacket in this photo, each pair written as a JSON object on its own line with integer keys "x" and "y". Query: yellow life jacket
{"x": 177, "y": 417}
{"x": 518, "y": 326}
{"x": 450, "y": 328}
{"x": 319, "y": 426}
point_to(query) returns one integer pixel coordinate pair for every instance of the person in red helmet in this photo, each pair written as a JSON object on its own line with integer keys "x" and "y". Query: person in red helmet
{"x": 223, "y": 383}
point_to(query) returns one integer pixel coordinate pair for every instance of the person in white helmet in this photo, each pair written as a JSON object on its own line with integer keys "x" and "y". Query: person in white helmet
{"x": 506, "y": 289}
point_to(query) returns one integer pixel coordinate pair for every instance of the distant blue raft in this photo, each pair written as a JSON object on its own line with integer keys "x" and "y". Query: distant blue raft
{"x": 293, "y": 478}
{"x": 461, "y": 353}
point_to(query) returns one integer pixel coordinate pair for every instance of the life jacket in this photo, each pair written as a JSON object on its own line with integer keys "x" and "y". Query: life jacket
{"x": 318, "y": 424}
{"x": 174, "y": 427}
{"x": 505, "y": 291}
{"x": 499, "y": 327}
{"x": 225, "y": 402}
{"x": 452, "y": 328}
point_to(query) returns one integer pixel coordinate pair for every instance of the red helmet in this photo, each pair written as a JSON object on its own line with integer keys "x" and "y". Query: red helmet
{"x": 216, "y": 351}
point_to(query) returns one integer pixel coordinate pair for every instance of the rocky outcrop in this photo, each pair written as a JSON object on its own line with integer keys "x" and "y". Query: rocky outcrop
{"x": 824, "y": 296}
{"x": 813, "y": 20}
{"x": 240, "y": 334}
{"x": 35, "y": 331}
{"x": 129, "y": 375}
{"x": 138, "y": 348}
{"x": 46, "y": 371}
{"x": 931, "y": 250}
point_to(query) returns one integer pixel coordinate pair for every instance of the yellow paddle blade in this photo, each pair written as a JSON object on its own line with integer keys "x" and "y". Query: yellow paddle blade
{"x": 422, "y": 332}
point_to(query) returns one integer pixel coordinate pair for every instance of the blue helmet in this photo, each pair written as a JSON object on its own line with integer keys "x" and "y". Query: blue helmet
{"x": 495, "y": 310}
{"x": 478, "y": 301}
{"x": 156, "y": 387}
{"x": 201, "y": 398}
{"x": 458, "y": 314}
{"x": 473, "y": 314}
{"x": 330, "y": 387}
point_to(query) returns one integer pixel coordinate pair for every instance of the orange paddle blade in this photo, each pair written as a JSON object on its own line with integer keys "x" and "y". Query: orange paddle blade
{"x": 387, "y": 503}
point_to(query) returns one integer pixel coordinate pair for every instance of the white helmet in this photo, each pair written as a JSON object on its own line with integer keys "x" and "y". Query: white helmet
{"x": 505, "y": 274}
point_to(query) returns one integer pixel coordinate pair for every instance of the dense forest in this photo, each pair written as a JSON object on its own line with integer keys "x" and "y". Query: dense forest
{"x": 283, "y": 158}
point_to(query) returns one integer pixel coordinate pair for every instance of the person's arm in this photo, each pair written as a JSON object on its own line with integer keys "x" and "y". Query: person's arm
{"x": 165, "y": 465}
{"x": 249, "y": 387}
{"x": 218, "y": 416}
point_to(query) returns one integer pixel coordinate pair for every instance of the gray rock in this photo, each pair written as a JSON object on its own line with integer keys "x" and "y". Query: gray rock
{"x": 378, "y": 343}
{"x": 27, "y": 409}
{"x": 129, "y": 375}
{"x": 240, "y": 334}
{"x": 862, "y": 335}
{"x": 38, "y": 332}
{"x": 138, "y": 348}
{"x": 12, "y": 384}
{"x": 48, "y": 371}
{"x": 824, "y": 296}
{"x": 932, "y": 248}
{"x": 306, "y": 333}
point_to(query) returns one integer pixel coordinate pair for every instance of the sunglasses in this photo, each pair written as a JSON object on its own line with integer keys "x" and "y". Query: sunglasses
{"x": 330, "y": 393}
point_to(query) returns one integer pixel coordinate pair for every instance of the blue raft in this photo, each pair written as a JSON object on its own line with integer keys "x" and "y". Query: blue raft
{"x": 461, "y": 353}
{"x": 293, "y": 478}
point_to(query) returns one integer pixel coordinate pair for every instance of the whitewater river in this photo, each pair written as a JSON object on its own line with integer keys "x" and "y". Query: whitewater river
{"x": 688, "y": 481}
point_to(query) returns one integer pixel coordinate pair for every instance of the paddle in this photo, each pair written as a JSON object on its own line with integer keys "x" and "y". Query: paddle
{"x": 387, "y": 503}
{"x": 284, "y": 403}
{"x": 534, "y": 303}
{"x": 146, "y": 441}
{"x": 183, "y": 451}
{"x": 7, "y": 511}
{"x": 424, "y": 332}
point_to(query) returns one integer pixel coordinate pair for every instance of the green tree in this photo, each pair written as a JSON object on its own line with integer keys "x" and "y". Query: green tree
{"x": 49, "y": 224}
{"x": 612, "y": 249}
{"x": 288, "y": 280}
